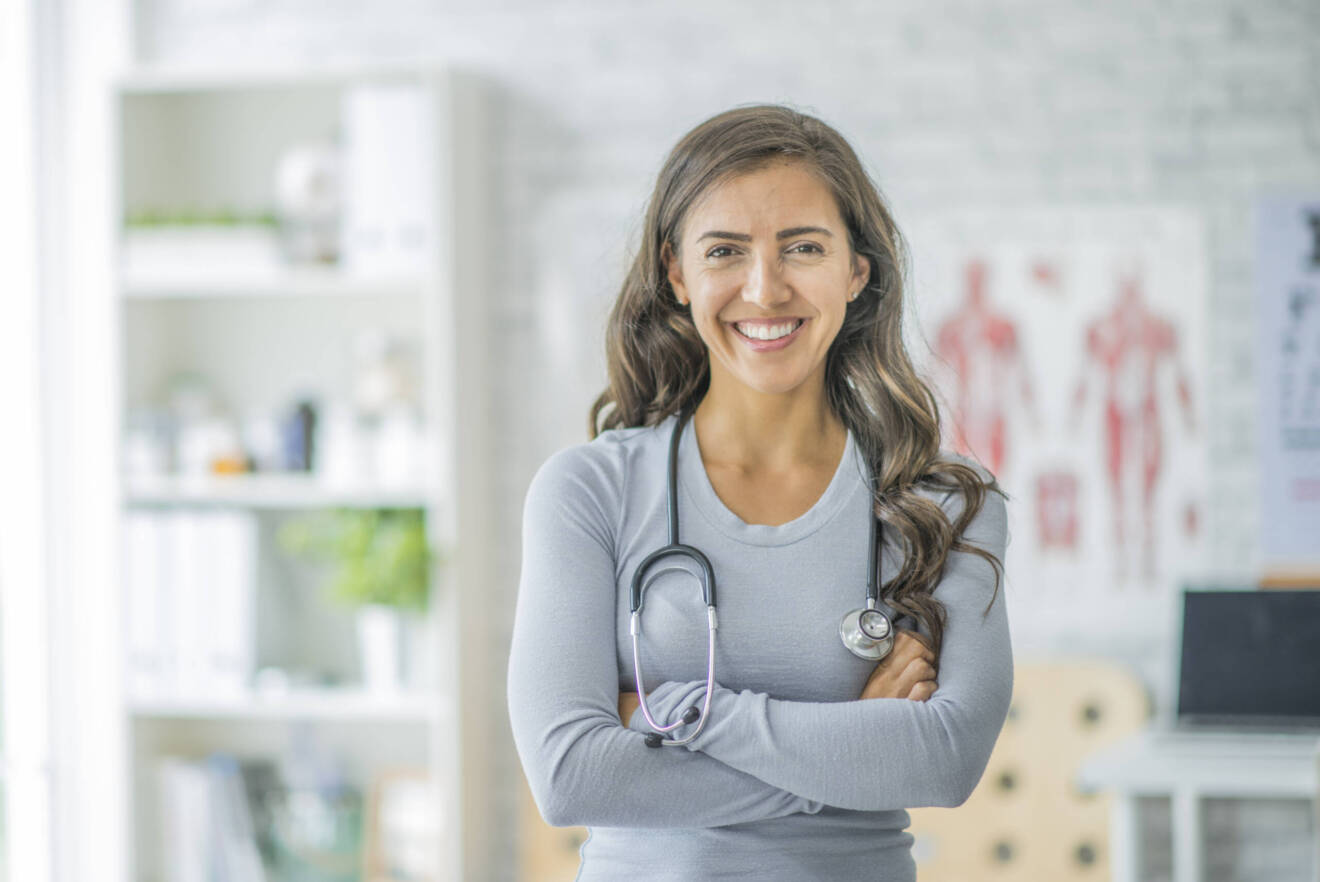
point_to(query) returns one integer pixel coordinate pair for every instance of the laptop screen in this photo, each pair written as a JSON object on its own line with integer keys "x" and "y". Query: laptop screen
{"x": 1250, "y": 658}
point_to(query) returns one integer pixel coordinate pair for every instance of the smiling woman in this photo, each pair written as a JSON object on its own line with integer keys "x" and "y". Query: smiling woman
{"x": 761, "y": 401}
{"x": 773, "y": 272}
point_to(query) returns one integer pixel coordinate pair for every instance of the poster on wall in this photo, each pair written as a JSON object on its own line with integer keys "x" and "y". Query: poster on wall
{"x": 1067, "y": 347}
{"x": 1288, "y": 375}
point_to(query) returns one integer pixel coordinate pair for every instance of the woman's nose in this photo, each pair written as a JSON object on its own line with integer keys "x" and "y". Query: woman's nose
{"x": 765, "y": 284}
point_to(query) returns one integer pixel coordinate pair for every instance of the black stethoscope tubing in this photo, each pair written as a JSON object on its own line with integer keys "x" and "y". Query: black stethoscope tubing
{"x": 875, "y": 646}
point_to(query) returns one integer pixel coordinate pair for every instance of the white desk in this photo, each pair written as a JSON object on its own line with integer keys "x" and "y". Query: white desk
{"x": 1187, "y": 767}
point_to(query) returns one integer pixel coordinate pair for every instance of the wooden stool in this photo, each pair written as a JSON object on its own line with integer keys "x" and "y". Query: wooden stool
{"x": 1026, "y": 820}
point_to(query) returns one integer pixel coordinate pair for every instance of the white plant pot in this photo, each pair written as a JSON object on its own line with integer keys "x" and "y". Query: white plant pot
{"x": 378, "y": 628}
{"x": 418, "y": 652}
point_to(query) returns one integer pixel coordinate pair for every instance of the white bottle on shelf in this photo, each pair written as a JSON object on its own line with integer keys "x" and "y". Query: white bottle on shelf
{"x": 343, "y": 448}
{"x": 400, "y": 449}
{"x": 379, "y": 647}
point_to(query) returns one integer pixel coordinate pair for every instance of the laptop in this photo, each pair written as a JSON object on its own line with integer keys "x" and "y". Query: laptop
{"x": 1250, "y": 661}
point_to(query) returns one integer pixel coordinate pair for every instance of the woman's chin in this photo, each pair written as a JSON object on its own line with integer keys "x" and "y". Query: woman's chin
{"x": 773, "y": 382}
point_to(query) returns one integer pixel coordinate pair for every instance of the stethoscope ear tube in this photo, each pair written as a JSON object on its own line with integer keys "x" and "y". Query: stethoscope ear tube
{"x": 655, "y": 739}
{"x": 707, "y": 575}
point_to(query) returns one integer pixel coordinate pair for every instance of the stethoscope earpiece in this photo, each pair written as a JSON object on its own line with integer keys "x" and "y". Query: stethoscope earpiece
{"x": 690, "y": 716}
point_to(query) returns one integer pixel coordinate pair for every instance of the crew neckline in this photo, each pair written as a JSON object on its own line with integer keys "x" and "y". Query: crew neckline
{"x": 848, "y": 479}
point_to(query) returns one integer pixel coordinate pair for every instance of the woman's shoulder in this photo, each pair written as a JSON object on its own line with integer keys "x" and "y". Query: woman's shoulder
{"x": 992, "y": 516}
{"x": 608, "y": 450}
{"x": 947, "y": 455}
{"x": 598, "y": 467}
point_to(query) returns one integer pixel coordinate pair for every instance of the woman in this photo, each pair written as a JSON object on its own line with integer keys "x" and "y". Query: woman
{"x": 761, "y": 320}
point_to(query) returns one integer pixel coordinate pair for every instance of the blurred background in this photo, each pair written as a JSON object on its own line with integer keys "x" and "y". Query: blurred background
{"x": 298, "y": 296}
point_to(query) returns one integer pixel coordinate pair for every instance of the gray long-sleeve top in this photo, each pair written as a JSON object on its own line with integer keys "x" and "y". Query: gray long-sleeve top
{"x": 793, "y": 778}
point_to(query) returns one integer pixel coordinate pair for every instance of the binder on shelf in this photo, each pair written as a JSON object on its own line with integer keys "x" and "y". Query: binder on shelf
{"x": 190, "y": 587}
{"x": 233, "y": 835}
{"x": 187, "y": 583}
{"x": 233, "y": 550}
{"x": 185, "y": 818}
{"x": 389, "y": 144}
{"x": 207, "y": 829}
{"x": 147, "y": 616}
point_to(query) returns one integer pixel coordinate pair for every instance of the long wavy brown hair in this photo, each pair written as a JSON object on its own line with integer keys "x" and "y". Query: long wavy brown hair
{"x": 659, "y": 365}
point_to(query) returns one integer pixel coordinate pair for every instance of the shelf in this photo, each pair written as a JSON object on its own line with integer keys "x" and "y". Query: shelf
{"x": 147, "y": 80}
{"x": 277, "y": 491}
{"x": 327, "y": 283}
{"x": 335, "y": 705}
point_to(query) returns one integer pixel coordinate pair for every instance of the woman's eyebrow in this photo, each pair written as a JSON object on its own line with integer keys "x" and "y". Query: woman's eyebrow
{"x": 744, "y": 237}
{"x": 721, "y": 234}
{"x": 801, "y": 231}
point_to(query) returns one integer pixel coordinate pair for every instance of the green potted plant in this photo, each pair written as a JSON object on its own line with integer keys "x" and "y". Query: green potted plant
{"x": 382, "y": 569}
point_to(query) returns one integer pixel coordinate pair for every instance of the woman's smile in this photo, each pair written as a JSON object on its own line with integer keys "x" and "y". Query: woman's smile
{"x": 762, "y": 335}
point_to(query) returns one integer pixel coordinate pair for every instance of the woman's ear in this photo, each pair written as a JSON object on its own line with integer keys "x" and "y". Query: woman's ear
{"x": 861, "y": 272}
{"x": 674, "y": 271}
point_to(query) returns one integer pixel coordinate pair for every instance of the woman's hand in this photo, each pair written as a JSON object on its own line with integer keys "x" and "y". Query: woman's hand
{"x": 907, "y": 672}
{"x": 628, "y": 702}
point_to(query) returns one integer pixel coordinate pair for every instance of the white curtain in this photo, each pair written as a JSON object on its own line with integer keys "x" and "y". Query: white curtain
{"x": 24, "y": 672}
{"x": 61, "y": 713}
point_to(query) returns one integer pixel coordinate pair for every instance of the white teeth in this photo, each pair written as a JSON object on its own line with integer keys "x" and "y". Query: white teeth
{"x": 768, "y": 332}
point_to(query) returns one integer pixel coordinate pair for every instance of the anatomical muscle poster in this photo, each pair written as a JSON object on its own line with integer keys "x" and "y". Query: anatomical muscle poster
{"x": 1288, "y": 375}
{"x": 1067, "y": 347}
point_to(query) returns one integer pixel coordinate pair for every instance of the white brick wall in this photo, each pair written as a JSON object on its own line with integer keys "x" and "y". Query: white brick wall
{"x": 1204, "y": 104}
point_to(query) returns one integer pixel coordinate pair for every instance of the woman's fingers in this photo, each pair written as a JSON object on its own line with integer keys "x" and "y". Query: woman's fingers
{"x": 909, "y": 645}
{"x": 923, "y": 690}
{"x": 916, "y": 671}
{"x": 910, "y": 662}
{"x": 919, "y": 669}
{"x": 907, "y": 652}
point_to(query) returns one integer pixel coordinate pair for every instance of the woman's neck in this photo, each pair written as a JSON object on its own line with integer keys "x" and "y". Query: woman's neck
{"x": 768, "y": 434}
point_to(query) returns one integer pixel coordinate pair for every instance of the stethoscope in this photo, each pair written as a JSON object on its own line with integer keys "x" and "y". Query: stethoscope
{"x": 868, "y": 633}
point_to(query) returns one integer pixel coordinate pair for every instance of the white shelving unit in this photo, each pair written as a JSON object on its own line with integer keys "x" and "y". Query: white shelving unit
{"x": 264, "y": 335}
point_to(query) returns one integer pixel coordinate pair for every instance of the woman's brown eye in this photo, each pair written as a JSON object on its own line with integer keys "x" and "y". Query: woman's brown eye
{"x": 715, "y": 252}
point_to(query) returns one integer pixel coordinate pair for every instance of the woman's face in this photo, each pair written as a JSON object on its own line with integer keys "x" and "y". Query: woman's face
{"x": 765, "y": 262}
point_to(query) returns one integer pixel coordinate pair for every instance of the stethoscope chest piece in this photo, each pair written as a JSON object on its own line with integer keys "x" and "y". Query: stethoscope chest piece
{"x": 868, "y": 633}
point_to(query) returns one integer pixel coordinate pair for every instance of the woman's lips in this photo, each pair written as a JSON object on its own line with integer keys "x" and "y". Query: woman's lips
{"x": 769, "y": 345}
